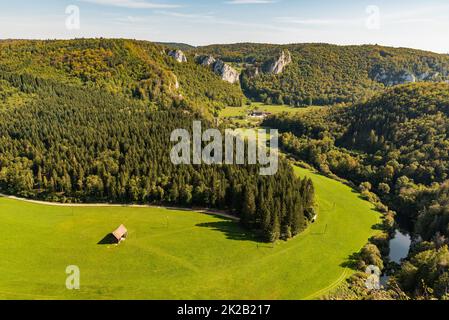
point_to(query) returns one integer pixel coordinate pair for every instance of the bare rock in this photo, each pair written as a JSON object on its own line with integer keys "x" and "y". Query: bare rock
{"x": 178, "y": 55}
{"x": 206, "y": 61}
{"x": 390, "y": 79}
{"x": 278, "y": 65}
{"x": 226, "y": 72}
{"x": 407, "y": 77}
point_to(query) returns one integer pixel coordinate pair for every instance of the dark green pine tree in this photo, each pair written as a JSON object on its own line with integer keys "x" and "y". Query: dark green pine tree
{"x": 275, "y": 228}
{"x": 248, "y": 207}
{"x": 297, "y": 218}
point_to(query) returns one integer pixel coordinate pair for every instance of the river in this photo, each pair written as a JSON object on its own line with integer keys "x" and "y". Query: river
{"x": 399, "y": 246}
{"x": 399, "y": 249}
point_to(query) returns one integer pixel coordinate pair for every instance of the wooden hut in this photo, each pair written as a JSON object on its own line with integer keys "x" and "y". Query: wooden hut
{"x": 121, "y": 233}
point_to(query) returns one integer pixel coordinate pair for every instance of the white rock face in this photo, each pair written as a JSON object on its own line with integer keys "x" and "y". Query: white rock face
{"x": 279, "y": 65}
{"x": 178, "y": 55}
{"x": 428, "y": 76}
{"x": 226, "y": 72}
{"x": 207, "y": 61}
{"x": 407, "y": 77}
{"x": 424, "y": 76}
{"x": 392, "y": 79}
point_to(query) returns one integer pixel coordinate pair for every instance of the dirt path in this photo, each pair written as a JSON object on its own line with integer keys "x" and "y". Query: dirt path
{"x": 108, "y": 205}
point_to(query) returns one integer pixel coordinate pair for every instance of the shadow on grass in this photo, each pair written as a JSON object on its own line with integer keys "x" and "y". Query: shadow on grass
{"x": 232, "y": 230}
{"x": 108, "y": 239}
{"x": 359, "y": 195}
{"x": 378, "y": 226}
{"x": 352, "y": 262}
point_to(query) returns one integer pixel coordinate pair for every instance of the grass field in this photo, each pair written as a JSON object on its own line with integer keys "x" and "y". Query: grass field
{"x": 234, "y": 112}
{"x": 176, "y": 254}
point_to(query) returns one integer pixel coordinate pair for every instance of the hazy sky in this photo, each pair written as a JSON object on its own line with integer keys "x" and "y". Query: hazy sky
{"x": 414, "y": 23}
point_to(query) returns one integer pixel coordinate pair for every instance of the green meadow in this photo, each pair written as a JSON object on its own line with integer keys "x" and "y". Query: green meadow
{"x": 175, "y": 254}
{"x": 234, "y": 112}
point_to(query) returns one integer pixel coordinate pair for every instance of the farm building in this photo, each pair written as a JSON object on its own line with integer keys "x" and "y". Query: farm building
{"x": 259, "y": 114}
{"x": 121, "y": 233}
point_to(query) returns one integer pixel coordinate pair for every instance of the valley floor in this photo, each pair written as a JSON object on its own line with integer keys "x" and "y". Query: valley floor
{"x": 176, "y": 254}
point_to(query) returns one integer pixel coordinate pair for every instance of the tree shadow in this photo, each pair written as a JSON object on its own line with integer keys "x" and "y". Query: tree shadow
{"x": 232, "y": 230}
{"x": 360, "y": 195}
{"x": 378, "y": 226}
{"x": 108, "y": 239}
{"x": 352, "y": 262}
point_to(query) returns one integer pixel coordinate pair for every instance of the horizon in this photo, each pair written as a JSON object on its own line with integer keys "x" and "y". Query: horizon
{"x": 223, "y": 44}
{"x": 414, "y": 25}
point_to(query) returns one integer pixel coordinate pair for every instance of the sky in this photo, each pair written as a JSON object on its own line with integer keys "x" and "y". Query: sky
{"x": 421, "y": 24}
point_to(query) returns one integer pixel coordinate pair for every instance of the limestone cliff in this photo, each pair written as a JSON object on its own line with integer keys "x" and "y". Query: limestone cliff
{"x": 225, "y": 71}
{"x": 279, "y": 64}
{"x": 392, "y": 78}
{"x": 206, "y": 61}
{"x": 178, "y": 55}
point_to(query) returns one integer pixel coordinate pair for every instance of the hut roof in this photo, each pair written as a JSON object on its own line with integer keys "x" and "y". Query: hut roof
{"x": 120, "y": 232}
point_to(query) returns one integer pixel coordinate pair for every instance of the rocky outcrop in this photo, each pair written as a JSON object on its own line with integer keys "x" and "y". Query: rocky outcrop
{"x": 391, "y": 77}
{"x": 279, "y": 64}
{"x": 226, "y": 72}
{"x": 206, "y": 61}
{"x": 406, "y": 77}
{"x": 178, "y": 55}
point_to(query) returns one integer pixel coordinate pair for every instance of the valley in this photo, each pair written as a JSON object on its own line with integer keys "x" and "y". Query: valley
{"x": 173, "y": 254}
{"x": 89, "y": 121}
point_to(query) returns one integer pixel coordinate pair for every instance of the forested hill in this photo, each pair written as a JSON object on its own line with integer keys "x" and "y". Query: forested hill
{"x": 135, "y": 69}
{"x": 318, "y": 74}
{"x": 397, "y": 140}
{"x": 177, "y": 45}
{"x": 322, "y": 74}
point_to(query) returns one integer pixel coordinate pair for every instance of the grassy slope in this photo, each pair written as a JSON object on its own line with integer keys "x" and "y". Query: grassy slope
{"x": 230, "y": 112}
{"x": 197, "y": 257}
